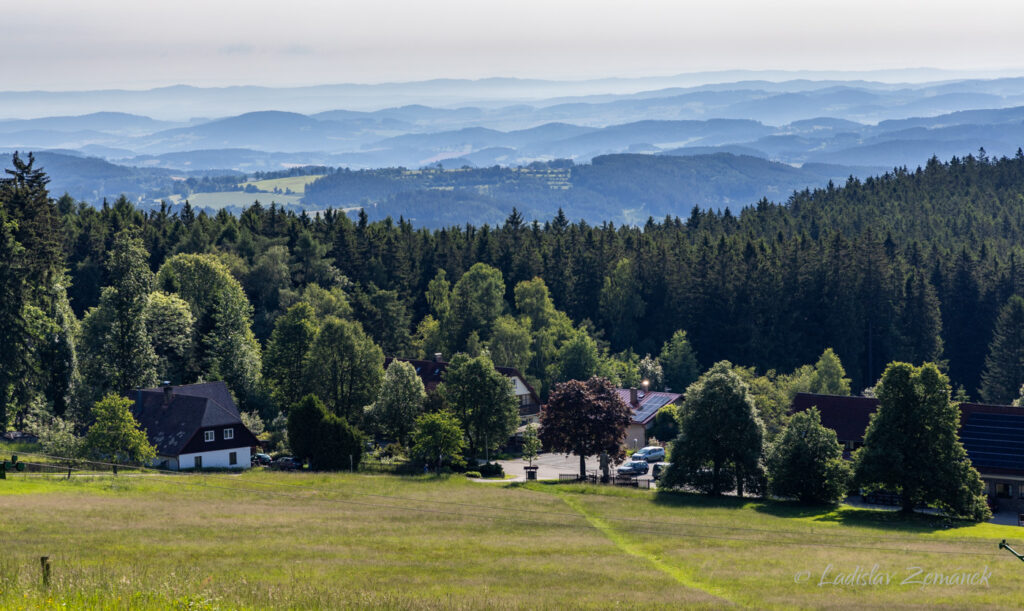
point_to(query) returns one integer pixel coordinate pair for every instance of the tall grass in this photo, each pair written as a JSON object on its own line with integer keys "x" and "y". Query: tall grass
{"x": 266, "y": 540}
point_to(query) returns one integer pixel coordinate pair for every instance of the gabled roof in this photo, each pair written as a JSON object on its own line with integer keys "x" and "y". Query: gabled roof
{"x": 192, "y": 407}
{"x": 648, "y": 403}
{"x": 993, "y": 435}
{"x": 432, "y": 373}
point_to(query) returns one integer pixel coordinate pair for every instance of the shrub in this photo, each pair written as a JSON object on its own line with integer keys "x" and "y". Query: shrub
{"x": 491, "y": 470}
{"x": 473, "y": 474}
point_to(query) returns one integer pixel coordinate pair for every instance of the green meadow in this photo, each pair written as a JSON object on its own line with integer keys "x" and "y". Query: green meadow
{"x": 278, "y": 540}
{"x": 296, "y": 183}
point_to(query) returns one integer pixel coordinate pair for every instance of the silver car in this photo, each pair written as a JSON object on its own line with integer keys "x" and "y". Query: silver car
{"x": 650, "y": 454}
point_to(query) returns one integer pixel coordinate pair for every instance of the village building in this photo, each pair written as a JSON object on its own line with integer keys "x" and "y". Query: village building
{"x": 644, "y": 406}
{"x": 992, "y": 435}
{"x": 431, "y": 372}
{"x": 194, "y": 426}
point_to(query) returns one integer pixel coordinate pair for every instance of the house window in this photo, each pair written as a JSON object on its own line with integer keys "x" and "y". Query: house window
{"x": 199, "y": 462}
{"x": 1004, "y": 491}
{"x": 209, "y": 436}
{"x": 229, "y": 433}
{"x": 233, "y": 457}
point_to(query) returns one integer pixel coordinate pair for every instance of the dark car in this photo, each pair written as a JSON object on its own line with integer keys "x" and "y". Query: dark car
{"x": 633, "y": 467}
{"x": 287, "y": 463}
{"x": 261, "y": 459}
{"x": 659, "y": 468}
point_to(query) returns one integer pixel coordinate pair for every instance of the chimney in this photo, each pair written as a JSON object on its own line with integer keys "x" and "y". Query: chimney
{"x": 437, "y": 357}
{"x": 168, "y": 392}
{"x": 632, "y": 397}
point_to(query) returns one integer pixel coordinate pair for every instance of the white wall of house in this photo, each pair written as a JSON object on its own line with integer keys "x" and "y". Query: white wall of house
{"x": 220, "y": 459}
{"x": 519, "y": 387}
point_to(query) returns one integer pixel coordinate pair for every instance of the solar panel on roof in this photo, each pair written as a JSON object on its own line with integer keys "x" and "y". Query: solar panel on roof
{"x": 994, "y": 440}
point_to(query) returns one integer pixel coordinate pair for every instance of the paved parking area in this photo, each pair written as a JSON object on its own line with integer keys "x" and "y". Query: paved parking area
{"x": 550, "y": 465}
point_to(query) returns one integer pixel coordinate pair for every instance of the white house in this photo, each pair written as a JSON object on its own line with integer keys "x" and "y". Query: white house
{"x": 194, "y": 426}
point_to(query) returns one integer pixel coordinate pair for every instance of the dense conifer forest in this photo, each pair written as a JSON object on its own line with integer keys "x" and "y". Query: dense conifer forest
{"x": 912, "y": 265}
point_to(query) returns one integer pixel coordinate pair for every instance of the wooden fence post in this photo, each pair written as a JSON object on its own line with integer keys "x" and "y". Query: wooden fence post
{"x": 44, "y": 562}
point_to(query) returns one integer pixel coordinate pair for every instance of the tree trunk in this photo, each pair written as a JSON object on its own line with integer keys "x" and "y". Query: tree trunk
{"x": 583, "y": 467}
{"x": 714, "y": 479}
{"x": 739, "y": 482}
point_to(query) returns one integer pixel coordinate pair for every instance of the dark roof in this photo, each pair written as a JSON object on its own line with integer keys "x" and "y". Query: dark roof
{"x": 648, "y": 403}
{"x": 432, "y": 373}
{"x": 993, "y": 435}
{"x": 170, "y": 425}
{"x": 847, "y": 416}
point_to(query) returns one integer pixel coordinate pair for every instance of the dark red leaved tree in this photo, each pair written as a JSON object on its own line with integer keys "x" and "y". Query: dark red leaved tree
{"x": 585, "y": 418}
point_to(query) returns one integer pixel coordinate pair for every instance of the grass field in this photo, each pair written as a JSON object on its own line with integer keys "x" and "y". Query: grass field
{"x": 272, "y": 540}
{"x": 296, "y": 183}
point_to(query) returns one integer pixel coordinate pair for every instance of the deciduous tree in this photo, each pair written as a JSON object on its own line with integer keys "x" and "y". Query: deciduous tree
{"x": 585, "y": 419}
{"x": 438, "y": 436}
{"x": 400, "y": 401}
{"x": 806, "y": 462}
{"x": 115, "y": 435}
{"x": 911, "y": 445}
{"x": 344, "y": 368}
{"x": 720, "y": 441}
{"x": 482, "y": 399}
{"x": 285, "y": 359}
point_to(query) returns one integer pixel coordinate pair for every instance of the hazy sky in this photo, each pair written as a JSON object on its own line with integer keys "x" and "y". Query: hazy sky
{"x": 71, "y": 44}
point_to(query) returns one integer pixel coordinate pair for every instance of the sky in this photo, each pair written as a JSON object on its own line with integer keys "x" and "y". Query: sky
{"x": 133, "y": 44}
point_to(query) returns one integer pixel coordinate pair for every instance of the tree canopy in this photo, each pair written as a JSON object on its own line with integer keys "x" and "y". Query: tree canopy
{"x": 482, "y": 399}
{"x": 720, "y": 440}
{"x": 911, "y": 445}
{"x": 806, "y": 462}
{"x": 115, "y": 436}
{"x": 585, "y": 419}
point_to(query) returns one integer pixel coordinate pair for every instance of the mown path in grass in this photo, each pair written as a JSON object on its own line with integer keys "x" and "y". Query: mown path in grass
{"x": 682, "y": 576}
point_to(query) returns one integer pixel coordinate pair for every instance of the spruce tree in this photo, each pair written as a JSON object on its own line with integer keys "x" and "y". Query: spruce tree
{"x": 1004, "y": 366}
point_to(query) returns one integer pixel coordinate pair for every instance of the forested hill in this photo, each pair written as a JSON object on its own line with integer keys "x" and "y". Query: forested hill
{"x": 912, "y": 266}
{"x": 623, "y": 188}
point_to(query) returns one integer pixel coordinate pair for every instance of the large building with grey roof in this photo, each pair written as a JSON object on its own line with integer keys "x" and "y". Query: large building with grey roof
{"x": 194, "y": 426}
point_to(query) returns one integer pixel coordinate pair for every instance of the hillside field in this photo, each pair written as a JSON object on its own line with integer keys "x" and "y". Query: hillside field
{"x": 273, "y": 540}
{"x": 296, "y": 183}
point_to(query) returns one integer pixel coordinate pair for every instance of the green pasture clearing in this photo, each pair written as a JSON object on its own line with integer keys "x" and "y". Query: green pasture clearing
{"x": 296, "y": 183}
{"x": 281, "y": 540}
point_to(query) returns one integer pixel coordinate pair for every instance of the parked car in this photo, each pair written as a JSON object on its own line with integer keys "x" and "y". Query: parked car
{"x": 650, "y": 454}
{"x": 261, "y": 459}
{"x": 287, "y": 463}
{"x": 659, "y": 468}
{"x": 633, "y": 467}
